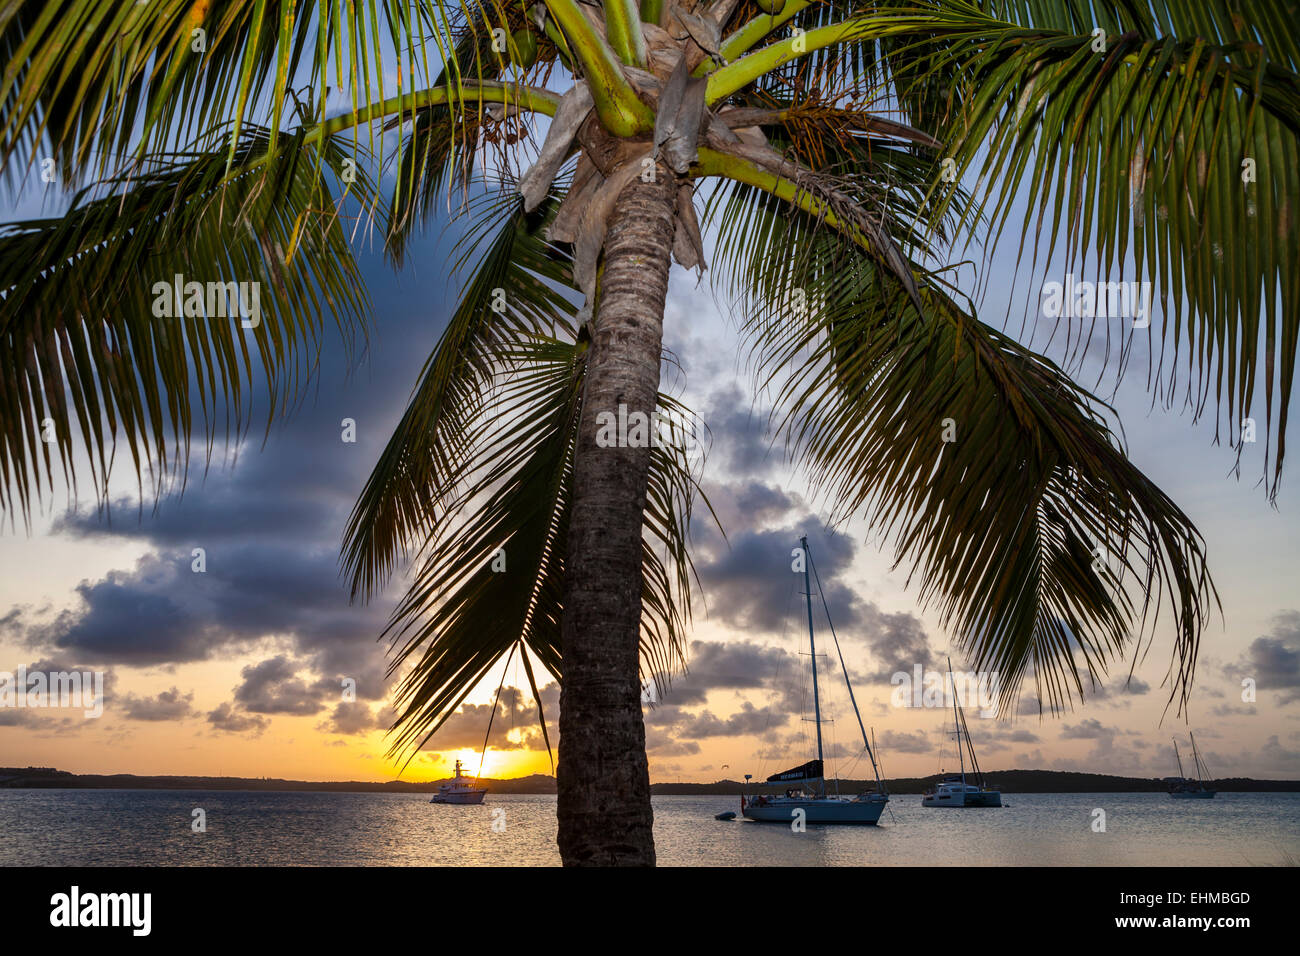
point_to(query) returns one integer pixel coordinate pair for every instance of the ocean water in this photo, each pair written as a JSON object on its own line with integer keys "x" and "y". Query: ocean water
{"x": 153, "y": 827}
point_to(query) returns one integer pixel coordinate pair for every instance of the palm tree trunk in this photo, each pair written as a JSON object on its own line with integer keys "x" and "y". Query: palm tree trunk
{"x": 603, "y": 780}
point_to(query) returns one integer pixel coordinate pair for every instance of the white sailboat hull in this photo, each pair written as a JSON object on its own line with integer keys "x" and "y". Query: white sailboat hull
{"x": 982, "y": 798}
{"x": 815, "y": 810}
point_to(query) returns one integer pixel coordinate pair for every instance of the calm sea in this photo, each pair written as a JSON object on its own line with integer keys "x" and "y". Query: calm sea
{"x": 148, "y": 827}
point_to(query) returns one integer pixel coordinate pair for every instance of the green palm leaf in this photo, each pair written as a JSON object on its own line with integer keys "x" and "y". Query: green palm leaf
{"x": 1133, "y": 156}
{"x": 482, "y": 461}
{"x": 79, "y": 308}
{"x": 1039, "y": 543}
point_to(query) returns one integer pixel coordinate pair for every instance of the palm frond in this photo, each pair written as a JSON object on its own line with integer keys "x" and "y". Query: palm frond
{"x": 79, "y": 320}
{"x": 514, "y": 291}
{"x": 1136, "y": 147}
{"x": 96, "y": 83}
{"x": 1039, "y": 543}
{"x": 481, "y": 461}
{"x": 492, "y": 574}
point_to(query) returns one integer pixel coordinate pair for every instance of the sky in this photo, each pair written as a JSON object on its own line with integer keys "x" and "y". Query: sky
{"x": 238, "y": 670}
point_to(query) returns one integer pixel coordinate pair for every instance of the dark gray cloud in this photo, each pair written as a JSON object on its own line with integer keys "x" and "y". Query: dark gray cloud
{"x": 1273, "y": 660}
{"x": 1088, "y": 729}
{"x": 1278, "y": 756}
{"x": 742, "y": 442}
{"x": 270, "y": 520}
{"x": 661, "y": 743}
{"x": 722, "y": 665}
{"x": 1132, "y": 686}
{"x": 274, "y": 687}
{"x": 991, "y": 736}
{"x": 353, "y": 717}
{"x": 751, "y": 585}
{"x": 748, "y": 720}
{"x": 1233, "y": 710}
{"x": 59, "y": 719}
{"x": 227, "y": 719}
{"x": 166, "y": 705}
{"x": 148, "y": 615}
{"x": 897, "y": 641}
{"x": 905, "y": 742}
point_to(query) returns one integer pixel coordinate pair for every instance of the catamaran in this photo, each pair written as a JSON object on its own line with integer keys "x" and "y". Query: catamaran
{"x": 1186, "y": 789}
{"x": 460, "y": 790}
{"x": 808, "y": 793}
{"x": 954, "y": 790}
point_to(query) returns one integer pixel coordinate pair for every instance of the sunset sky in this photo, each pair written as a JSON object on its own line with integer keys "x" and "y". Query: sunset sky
{"x": 237, "y": 671}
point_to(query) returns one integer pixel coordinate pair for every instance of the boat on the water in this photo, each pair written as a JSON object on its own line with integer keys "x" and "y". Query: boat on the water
{"x": 459, "y": 790}
{"x": 805, "y": 797}
{"x": 1184, "y": 788}
{"x": 954, "y": 790}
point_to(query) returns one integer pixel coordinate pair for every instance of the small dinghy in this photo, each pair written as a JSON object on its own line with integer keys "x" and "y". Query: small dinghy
{"x": 725, "y": 815}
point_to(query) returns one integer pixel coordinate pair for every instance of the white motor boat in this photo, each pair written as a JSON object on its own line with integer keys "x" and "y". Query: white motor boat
{"x": 459, "y": 790}
{"x": 807, "y": 801}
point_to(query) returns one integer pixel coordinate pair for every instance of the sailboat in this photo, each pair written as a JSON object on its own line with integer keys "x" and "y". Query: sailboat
{"x": 1185, "y": 789}
{"x": 806, "y": 784}
{"x": 954, "y": 790}
{"x": 460, "y": 790}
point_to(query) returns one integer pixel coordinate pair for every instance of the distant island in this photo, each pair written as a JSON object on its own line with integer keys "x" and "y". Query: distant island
{"x": 1009, "y": 781}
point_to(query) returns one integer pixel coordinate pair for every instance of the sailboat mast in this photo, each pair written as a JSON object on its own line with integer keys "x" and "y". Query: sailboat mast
{"x": 812, "y": 647}
{"x": 956, "y": 722}
{"x": 1196, "y": 758}
{"x": 1181, "y": 775}
{"x": 875, "y": 768}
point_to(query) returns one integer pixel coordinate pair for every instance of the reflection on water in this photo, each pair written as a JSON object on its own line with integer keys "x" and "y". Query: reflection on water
{"x": 144, "y": 827}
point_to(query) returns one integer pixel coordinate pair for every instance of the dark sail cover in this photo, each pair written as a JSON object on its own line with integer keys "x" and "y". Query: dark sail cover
{"x": 812, "y": 770}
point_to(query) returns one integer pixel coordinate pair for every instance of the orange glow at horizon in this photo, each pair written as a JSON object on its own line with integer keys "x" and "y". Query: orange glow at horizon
{"x": 499, "y": 764}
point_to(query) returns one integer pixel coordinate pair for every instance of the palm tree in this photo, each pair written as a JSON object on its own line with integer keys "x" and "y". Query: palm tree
{"x": 823, "y": 146}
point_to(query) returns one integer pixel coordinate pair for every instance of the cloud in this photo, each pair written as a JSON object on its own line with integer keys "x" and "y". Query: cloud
{"x": 513, "y": 721}
{"x": 161, "y": 612}
{"x": 1273, "y": 659}
{"x": 350, "y": 717}
{"x": 227, "y": 719}
{"x": 748, "y": 720}
{"x": 274, "y": 687}
{"x": 742, "y": 444}
{"x": 270, "y": 518}
{"x": 147, "y": 615}
{"x": 1233, "y": 710}
{"x": 660, "y": 743}
{"x": 1089, "y": 729}
{"x": 898, "y": 642}
{"x": 1278, "y": 756}
{"x": 1133, "y": 686}
{"x": 723, "y": 665}
{"x": 25, "y": 717}
{"x": 167, "y": 705}
{"x": 752, "y": 586}
{"x": 905, "y": 742}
